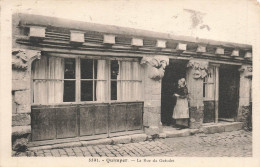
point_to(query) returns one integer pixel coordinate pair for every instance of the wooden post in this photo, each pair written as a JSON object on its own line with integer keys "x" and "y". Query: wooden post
{"x": 77, "y": 68}
{"x": 216, "y": 91}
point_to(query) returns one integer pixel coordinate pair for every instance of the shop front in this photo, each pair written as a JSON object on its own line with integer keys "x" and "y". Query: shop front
{"x": 214, "y": 91}
{"x": 75, "y": 96}
{"x": 75, "y": 80}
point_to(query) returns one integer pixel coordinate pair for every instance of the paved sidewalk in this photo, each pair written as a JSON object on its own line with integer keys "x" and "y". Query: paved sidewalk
{"x": 228, "y": 144}
{"x": 120, "y": 150}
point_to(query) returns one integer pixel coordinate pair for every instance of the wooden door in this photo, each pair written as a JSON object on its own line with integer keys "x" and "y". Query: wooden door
{"x": 209, "y": 95}
{"x": 229, "y": 92}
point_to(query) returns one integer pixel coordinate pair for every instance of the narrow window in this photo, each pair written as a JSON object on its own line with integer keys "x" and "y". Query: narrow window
{"x": 204, "y": 86}
{"x": 88, "y": 68}
{"x": 69, "y": 81}
{"x": 209, "y": 85}
{"x": 114, "y": 76}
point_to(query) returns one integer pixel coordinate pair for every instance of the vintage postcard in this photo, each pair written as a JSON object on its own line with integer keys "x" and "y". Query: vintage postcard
{"x": 130, "y": 83}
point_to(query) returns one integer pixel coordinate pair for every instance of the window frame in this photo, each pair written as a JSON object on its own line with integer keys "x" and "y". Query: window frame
{"x": 123, "y": 80}
{"x": 67, "y": 79}
{"x": 206, "y": 83}
{"x": 78, "y": 79}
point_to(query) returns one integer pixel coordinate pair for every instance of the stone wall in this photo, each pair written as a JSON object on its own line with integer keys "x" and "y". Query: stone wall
{"x": 21, "y": 96}
{"x": 154, "y": 71}
{"x": 195, "y": 73}
{"x": 244, "y": 113}
{"x": 245, "y": 116}
{"x": 196, "y": 117}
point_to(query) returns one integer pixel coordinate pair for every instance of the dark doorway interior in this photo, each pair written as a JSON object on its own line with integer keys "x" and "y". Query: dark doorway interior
{"x": 228, "y": 92}
{"x": 173, "y": 72}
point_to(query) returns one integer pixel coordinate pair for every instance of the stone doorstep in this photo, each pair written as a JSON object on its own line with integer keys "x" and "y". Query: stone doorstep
{"x": 222, "y": 127}
{"x": 167, "y": 133}
{"x": 206, "y": 128}
{"x": 171, "y": 133}
{"x": 113, "y": 140}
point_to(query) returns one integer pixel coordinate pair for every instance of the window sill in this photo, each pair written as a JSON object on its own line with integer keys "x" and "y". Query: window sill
{"x": 83, "y": 103}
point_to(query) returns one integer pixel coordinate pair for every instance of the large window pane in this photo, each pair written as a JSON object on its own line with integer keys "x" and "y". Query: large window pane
{"x": 86, "y": 68}
{"x": 95, "y": 69}
{"x": 114, "y": 90}
{"x": 69, "y": 91}
{"x": 69, "y": 72}
{"x": 114, "y": 69}
{"x": 86, "y": 90}
{"x": 47, "y": 75}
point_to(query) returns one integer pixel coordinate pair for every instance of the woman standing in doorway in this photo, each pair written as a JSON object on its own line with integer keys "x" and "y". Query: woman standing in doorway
{"x": 181, "y": 109}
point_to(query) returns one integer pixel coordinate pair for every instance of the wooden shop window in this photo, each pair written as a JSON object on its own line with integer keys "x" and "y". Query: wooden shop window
{"x": 58, "y": 80}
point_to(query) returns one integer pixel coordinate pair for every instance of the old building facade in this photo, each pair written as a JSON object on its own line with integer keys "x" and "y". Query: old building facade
{"x": 73, "y": 79}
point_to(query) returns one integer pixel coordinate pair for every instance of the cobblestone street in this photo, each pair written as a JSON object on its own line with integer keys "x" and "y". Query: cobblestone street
{"x": 120, "y": 150}
{"x": 226, "y": 144}
{"x": 230, "y": 144}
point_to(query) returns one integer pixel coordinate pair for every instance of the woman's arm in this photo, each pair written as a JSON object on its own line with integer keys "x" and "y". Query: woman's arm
{"x": 184, "y": 93}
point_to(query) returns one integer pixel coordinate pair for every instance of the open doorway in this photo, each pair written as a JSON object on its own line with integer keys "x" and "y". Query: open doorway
{"x": 173, "y": 72}
{"x": 228, "y": 92}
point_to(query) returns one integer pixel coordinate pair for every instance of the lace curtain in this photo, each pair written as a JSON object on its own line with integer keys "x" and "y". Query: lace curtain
{"x": 48, "y": 76}
{"x": 129, "y": 77}
{"x": 101, "y": 83}
{"x": 48, "y": 81}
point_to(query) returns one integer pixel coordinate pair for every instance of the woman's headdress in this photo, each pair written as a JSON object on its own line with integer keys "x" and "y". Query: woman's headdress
{"x": 183, "y": 81}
